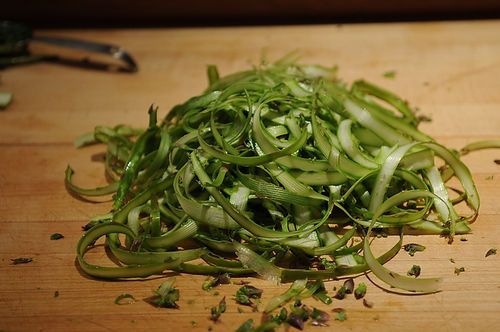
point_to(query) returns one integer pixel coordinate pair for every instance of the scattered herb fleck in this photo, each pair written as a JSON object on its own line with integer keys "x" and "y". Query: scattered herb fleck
{"x": 327, "y": 264}
{"x": 452, "y": 260}
{"x": 341, "y": 293}
{"x": 216, "y": 293}
{"x": 216, "y": 281}
{"x": 56, "y": 294}
{"x": 459, "y": 270}
{"x": 463, "y": 239}
{"x": 424, "y": 118}
{"x": 245, "y": 294}
{"x": 190, "y": 301}
{"x": 368, "y": 304}
{"x": 216, "y": 312}
{"x": 390, "y": 74}
{"x": 240, "y": 310}
{"x": 414, "y": 271}
{"x": 497, "y": 161}
{"x": 489, "y": 177}
{"x": 412, "y": 248}
{"x": 21, "y": 260}
{"x": 247, "y": 326}
{"x": 56, "y": 236}
{"x": 341, "y": 316}
{"x": 360, "y": 291}
{"x": 193, "y": 323}
{"x": 492, "y": 251}
{"x": 124, "y": 299}
{"x": 166, "y": 295}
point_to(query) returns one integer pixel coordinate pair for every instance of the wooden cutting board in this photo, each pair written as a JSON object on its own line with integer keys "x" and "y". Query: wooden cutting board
{"x": 450, "y": 70}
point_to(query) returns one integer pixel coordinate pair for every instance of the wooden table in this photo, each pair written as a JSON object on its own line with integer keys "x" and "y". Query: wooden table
{"x": 451, "y": 70}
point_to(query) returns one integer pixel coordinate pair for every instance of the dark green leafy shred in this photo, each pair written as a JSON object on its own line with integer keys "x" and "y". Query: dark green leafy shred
{"x": 212, "y": 282}
{"x": 491, "y": 251}
{"x": 341, "y": 293}
{"x": 56, "y": 236}
{"x": 459, "y": 270}
{"x": 390, "y": 74}
{"x": 245, "y": 294}
{"x": 412, "y": 248}
{"x": 327, "y": 264}
{"x": 247, "y": 326}
{"x": 414, "y": 271}
{"x": 216, "y": 312}
{"x": 452, "y": 260}
{"x": 360, "y": 291}
{"x": 124, "y": 299}
{"x": 194, "y": 323}
{"x": 21, "y": 260}
{"x": 340, "y": 314}
{"x": 166, "y": 295}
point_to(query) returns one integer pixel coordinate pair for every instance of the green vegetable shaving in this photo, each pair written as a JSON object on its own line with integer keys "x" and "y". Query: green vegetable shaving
{"x": 166, "y": 295}
{"x": 266, "y": 172}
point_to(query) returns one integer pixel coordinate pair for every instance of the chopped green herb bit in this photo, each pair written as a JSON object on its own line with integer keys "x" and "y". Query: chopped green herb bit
{"x": 452, "y": 260}
{"x": 360, "y": 291}
{"x": 212, "y": 282}
{"x": 424, "y": 118}
{"x": 245, "y": 294}
{"x": 194, "y": 323}
{"x": 327, "y": 264}
{"x": 216, "y": 293}
{"x": 21, "y": 260}
{"x": 240, "y": 310}
{"x": 368, "y": 304}
{"x": 56, "y": 236}
{"x": 390, "y": 74}
{"x": 341, "y": 293}
{"x": 56, "y": 294}
{"x": 459, "y": 270}
{"x": 492, "y": 251}
{"x": 463, "y": 239}
{"x": 489, "y": 177}
{"x": 216, "y": 312}
{"x": 414, "y": 271}
{"x": 166, "y": 295}
{"x": 124, "y": 299}
{"x": 190, "y": 301}
{"x": 341, "y": 316}
{"x": 247, "y": 326}
{"x": 412, "y": 248}
{"x": 497, "y": 161}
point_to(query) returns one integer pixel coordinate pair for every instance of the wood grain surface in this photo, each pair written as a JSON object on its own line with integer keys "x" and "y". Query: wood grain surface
{"x": 451, "y": 71}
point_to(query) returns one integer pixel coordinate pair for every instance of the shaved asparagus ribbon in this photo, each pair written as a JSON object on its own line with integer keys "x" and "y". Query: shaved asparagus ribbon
{"x": 278, "y": 164}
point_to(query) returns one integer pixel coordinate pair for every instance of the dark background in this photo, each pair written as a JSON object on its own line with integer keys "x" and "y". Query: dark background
{"x": 129, "y": 13}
